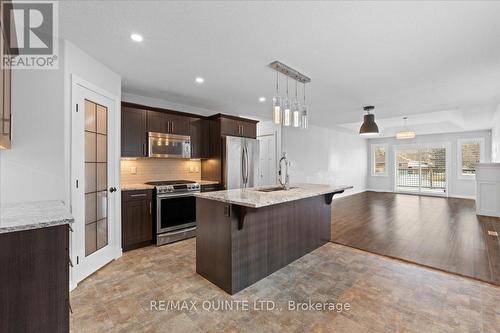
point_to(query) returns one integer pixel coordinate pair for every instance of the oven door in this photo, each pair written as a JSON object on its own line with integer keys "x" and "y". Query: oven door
{"x": 175, "y": 212}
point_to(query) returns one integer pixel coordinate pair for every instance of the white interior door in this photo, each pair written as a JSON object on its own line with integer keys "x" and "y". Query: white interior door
{"x": 94, "y": 195}
{"x": 267, "y": 159}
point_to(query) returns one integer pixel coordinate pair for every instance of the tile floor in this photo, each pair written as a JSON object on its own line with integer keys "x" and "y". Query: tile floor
{"x": 385, "y": 295}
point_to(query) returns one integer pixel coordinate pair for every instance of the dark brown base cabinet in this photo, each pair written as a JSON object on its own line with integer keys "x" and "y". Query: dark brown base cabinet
{"x": 34, "y": 280}
{"x": 137, "y": 219}
{"x": 235, "y": 255}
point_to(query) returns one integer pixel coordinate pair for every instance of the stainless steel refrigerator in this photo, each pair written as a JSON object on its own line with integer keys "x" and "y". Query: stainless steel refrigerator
{"x": 241, "y": 162}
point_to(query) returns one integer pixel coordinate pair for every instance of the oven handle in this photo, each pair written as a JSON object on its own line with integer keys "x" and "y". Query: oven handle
{"x": 171, "y": 196}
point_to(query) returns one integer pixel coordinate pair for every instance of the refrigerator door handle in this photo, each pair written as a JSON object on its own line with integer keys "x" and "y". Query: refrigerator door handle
{"x": 243, "y": 166}
{"x": 247, "y": 166}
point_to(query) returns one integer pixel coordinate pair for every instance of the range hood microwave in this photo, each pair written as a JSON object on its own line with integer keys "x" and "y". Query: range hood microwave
{"x": 163, "y": 145}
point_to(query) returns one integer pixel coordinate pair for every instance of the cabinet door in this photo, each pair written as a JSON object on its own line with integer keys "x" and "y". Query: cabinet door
{"x": 137, "y": 223}
{"x": 156, "y": 122}
{"x": 177, "y": 124}
{"x": 134, "y": 134}
{"x": 248, "y": 129}
{"x": 200, "y": 140}
{"x": 229, "y": 126}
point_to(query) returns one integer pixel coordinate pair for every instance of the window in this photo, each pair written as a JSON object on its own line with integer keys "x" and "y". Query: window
{"x": 470, "y": 152}
{"x": 379, "y": 160}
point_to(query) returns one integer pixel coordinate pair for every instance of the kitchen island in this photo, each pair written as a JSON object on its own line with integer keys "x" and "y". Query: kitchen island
{"x": 244, "y": 235}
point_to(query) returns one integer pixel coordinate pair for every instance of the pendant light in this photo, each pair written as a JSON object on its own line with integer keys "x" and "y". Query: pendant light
{"x": 303, "y": 122}
{"x": 277, "y": 103}
{"x": 369, "y": 127}
{"x": 406, "y": 134}
{"x": 286, "y": 108}
{"x": 296, "y": 109}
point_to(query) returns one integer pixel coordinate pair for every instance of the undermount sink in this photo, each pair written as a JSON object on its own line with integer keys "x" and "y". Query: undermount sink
{"x": 273, "y": 189}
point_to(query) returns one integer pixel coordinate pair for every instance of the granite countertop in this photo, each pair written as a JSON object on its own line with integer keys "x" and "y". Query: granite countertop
{"x": 252, "y": 198}
{"x": 33, "y": 215}
{"x": 142, "y": 186}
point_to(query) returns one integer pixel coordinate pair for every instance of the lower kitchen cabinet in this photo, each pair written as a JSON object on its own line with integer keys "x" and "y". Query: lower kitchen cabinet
{"x": 34, "y": 280}
{"x": 137, "y": 219}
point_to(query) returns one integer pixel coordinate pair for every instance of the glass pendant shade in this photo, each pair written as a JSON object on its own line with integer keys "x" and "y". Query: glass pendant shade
{"x": 287, "y": 113}
{"x": 405, "y": 135}
{"x": 295, "y": 109}
{"x": 277, "y": 110}
{"x": 369, "y": 127}
{"x": 304, "y": 121}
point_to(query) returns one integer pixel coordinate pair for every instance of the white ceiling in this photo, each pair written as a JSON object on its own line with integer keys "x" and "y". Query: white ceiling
{"x": 403, "y": 57}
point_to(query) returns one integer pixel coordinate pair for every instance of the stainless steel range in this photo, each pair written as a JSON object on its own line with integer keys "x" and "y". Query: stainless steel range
{"x": 175, "y": 210}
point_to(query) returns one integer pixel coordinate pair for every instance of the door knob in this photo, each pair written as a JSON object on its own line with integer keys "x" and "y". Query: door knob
{"x": 112, "y": 189}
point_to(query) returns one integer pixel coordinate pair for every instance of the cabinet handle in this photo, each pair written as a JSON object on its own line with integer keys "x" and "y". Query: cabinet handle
{"x": 150, "y": 208}
{"x": 172, "y": 126}
{"x": 138, "y": 195}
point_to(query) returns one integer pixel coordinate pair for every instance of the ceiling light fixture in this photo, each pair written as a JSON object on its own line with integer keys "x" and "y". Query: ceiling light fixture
{"x": 199, "y": 80}
{"x": 136, "y": 37}
{"x": 369, "y": 127}
{"x": 406, "y": 134}
{"x": 288, "y": 112}
{"x": 262, "y": 99}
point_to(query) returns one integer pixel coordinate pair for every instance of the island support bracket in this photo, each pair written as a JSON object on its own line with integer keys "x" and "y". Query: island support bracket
{"x": 329, "y": 197}
{"x": 240, "y": 212}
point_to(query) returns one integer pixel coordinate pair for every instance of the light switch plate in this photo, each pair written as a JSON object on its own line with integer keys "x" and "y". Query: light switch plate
{"x": 133, "y": 170}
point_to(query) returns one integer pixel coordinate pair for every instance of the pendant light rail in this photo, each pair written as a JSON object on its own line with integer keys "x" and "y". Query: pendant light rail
{"x": 289, "y": 71}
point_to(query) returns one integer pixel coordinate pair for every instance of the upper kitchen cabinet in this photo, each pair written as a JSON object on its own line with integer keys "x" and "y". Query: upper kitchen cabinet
{"x": 200, "y": 143}
{"x": 134, "y": 136}
{"x": 162, "y": 122}
{"x": 235, "y": 126}
{"x": 156, "y": 122}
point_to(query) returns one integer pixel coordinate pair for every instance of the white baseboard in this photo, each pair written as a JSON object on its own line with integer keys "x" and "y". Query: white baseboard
{"x": 462, "y": 196}
{"x": 449, "y": 196}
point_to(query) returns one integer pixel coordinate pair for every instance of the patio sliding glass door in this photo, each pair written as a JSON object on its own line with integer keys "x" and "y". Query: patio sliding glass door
{"x": 421, "y": 170}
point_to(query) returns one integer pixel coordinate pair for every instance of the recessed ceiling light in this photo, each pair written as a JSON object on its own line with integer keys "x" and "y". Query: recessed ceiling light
{"x": 136, "y": 37}
{"x": 199, "y": 80}
{"x": 262, "y": 99}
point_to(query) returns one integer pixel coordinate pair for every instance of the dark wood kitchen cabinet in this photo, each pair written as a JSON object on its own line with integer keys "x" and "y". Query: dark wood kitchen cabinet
{"x": 134, "y": 134}
{"x": 34, "y": 280}
{"x": 137, "y": 219}
{"x": 200, "y": 135}
{"x": 162, "y": 122}
{"x": 234, "y": 126}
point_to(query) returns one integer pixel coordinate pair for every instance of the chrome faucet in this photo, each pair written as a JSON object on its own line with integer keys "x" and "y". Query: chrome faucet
{"x": 286, "y": 184}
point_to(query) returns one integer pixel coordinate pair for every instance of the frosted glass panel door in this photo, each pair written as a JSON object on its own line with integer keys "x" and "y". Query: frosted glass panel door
{"x": 96, "y": 166}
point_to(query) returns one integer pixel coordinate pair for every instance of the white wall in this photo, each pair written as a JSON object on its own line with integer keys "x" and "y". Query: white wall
{"x": 495, "y": 137}
{"x": 323, "y": 155}
{"x": 38, "y": 165}
{"x": 456, "y": 187}
{"x": 34, "y": 168}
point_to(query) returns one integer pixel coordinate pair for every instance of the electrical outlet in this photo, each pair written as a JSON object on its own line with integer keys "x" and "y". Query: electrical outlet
{"x": 133, "y": 170}
{"x": 196, "y": 169}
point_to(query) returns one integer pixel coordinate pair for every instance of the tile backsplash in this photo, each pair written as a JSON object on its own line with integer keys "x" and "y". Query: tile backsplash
{"x": 137, "y": 171}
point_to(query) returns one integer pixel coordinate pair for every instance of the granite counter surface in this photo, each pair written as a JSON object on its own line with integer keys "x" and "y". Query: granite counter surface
{"x": 33, "y": 215}
{"x": 253, "y": 198}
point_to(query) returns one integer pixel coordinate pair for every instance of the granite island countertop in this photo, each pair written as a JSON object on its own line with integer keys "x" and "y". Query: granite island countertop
{"x": 33, "y": 215}
{"x": 251, "y": 197}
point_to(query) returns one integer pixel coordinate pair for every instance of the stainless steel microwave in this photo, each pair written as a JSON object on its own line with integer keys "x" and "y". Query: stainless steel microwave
{"x": 169, "y": 145}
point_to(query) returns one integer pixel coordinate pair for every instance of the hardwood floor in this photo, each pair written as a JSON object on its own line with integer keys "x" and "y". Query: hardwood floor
{"x": 384, "y": 295}
{"x": 442, "y": 233}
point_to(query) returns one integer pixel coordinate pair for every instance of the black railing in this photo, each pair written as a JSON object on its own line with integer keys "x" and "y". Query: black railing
{"x": 429, "y": 178}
